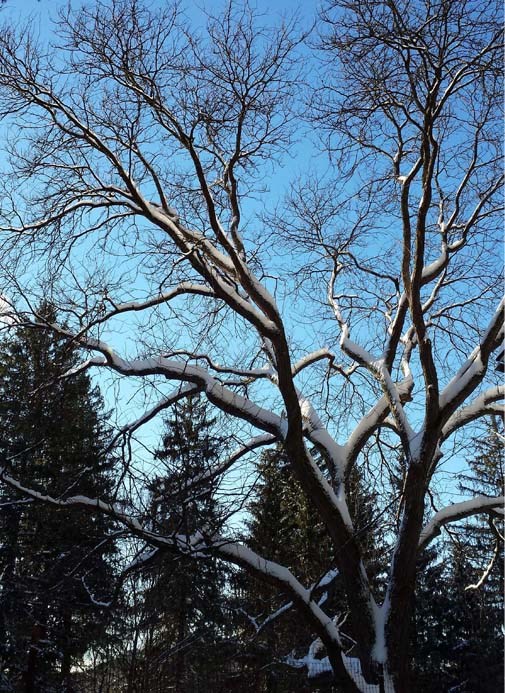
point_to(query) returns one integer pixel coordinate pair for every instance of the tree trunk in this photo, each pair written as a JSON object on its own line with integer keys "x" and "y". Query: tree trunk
{"x": 403, "y": 580}
{"x": 132, "y": 670}
{"x": 180, "y": 658}
{"x": 66, "y": 663}
{"x": 38, "y": 632}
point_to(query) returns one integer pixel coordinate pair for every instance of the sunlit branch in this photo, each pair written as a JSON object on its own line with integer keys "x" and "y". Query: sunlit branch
{"x": 458, "y": 511}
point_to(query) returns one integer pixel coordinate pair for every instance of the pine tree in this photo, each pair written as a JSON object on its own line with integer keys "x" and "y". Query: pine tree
{"x": 54, "y": 564}
{"x": 459, "y": 598}
{"x": 478, "y": 573}
{"x": 183, "y": 616}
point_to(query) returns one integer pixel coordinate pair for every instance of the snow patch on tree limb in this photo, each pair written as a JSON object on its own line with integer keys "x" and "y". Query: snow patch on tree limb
{"x": 458, "y": 511}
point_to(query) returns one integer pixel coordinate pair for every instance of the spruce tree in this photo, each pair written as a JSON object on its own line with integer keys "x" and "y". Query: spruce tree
{"x": 478, "y": 573}
{"x": 183, "y": 614}
{"x": 55, "y": 567}
{"x": 459, "y": 599}
{"x": 283, "y": 528}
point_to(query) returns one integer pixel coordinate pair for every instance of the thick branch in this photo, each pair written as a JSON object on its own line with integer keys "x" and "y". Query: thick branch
{"x": 458, "y": 511}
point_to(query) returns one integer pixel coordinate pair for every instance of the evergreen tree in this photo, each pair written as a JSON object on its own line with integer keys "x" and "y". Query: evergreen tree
{"x": 54, "y": 564}
{"x": 183, "y": 620}
{"x": 478, "y": 574}
{"x": 459, "y": 612}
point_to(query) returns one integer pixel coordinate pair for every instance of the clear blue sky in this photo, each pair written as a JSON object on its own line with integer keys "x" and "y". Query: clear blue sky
{"x": 45, "y": 8}
{"x": 41, "y": 12}
{"x": 19, "y": 10}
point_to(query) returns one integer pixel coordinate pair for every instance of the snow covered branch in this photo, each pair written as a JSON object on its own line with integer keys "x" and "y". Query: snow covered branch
{"x": 487, "y": 570}
{"x": 481, "y": 405}
{"x": 458, "y": 511}
{"x": 281, "y": 576}
{"x": 199, "y": 377}
{"x": 372, "y": 421}
{"x": 311, "y": 358}
{"x": 473, "y": 370}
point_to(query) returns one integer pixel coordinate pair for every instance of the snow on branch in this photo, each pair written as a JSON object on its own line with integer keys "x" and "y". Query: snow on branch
{"x": 90, "y": 504}
{"x": 268, "y": 620}
{"x": 224, "y": 398}
{"x": 279, "y": 575}
{"x": 246, "y": 374}
{"x": 194, "y": 544}
{"x": 229, "y": 266}
{"x": 317, "y": 433}
{"x": 318, "y": 666}
{"x": 221, "y": 396}
{"x": 357, "y": 352}
{"x": 274, "y": 616}
{"x": 433, "y": 269}
{"x": 311, "y": 358}
{"x": 396, "y": 406}
{"x": 481, "y": 405}
{"x": 379, "y": 369}
{"x": 141, "y": 559}
{"x": 372, "y": 420}
{"x": 92, "y": 598}
{"x": 474, "y": 368}
{"x": 458, "y": 511}
{"x": 487, "y": 569}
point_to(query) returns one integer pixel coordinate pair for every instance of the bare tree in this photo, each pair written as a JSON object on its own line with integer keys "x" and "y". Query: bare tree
{"x": 138, "y": 146}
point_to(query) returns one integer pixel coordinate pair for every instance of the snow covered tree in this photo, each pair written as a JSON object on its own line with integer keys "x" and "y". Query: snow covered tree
{"x": 53, "y": 564}
{"x": 362, "y": 319}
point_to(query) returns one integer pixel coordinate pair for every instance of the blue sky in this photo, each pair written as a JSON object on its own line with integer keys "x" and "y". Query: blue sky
{"x": 127, "y": 396}
{"x": 18, "y": 10}
{"x": 44, "y": 8}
